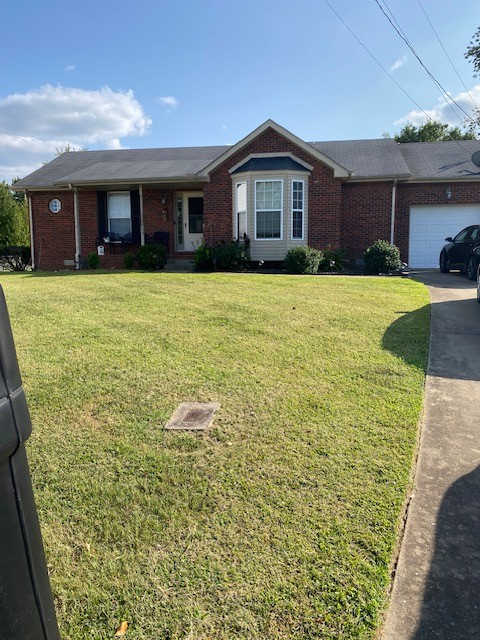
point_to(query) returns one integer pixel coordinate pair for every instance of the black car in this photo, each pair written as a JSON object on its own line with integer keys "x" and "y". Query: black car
{"x": 462, "y": 252}
{"x": 478, "y": 285}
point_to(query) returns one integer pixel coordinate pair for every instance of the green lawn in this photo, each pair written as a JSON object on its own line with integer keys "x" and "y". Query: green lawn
{"x": 280, "y": 522}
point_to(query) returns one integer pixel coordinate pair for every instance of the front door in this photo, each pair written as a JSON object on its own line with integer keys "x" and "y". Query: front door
{"x": 189, "y": 221}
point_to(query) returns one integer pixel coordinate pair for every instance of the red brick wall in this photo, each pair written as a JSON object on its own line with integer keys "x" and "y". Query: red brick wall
{"x": 366, "y": 210}
{"x": 428, "y": 193}
{"x": 324, "y": 196}
{"x": 54, "y": 232}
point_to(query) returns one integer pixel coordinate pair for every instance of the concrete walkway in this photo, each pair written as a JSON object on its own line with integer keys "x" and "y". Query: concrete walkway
{"x": 436, "y": 592}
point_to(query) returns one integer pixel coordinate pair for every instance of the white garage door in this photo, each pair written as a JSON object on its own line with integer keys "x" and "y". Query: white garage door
{"x": 430, "y": 225}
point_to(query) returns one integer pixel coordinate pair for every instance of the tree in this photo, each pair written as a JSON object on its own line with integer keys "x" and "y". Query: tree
{"x": 473, "y": 52}
{"x": 13, "y": 219}
{"x": 431, "y": 131}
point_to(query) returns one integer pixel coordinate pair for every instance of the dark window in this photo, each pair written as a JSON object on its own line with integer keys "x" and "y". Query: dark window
{"x": 195, "y": 215}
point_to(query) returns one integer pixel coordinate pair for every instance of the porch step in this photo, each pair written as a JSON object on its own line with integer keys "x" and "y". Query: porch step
{"x": 180, "y": 266}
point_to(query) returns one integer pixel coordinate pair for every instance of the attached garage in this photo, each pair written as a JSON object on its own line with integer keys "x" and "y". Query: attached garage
{"x": 430, "y": 225}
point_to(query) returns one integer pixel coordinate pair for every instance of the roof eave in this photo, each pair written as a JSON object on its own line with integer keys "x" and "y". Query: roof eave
{"x": 389, "y": 178}
{"x": 90, "y": 183}
{"x": 473, "y": 178}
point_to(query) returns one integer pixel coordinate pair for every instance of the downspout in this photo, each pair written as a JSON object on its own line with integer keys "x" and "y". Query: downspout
{"x": 392, "y": 218}
{"x": 142, "y": 228}
{"x": 32, "y": 239}
{"x": 76, "y": 216}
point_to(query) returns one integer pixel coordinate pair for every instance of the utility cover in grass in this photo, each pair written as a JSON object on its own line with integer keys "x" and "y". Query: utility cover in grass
{"x": 195, "y": 416}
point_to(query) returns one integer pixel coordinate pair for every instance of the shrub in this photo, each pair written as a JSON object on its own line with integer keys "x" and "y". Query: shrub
{"x": 14, "y": 258}
{"x": 333, "y": 260}
{"x": 231, "y": 256}
{"x": 151, "y": 257}
{"x": 228, "y": 256}
{"x": 381, "y": 257}
{"x": 129, "y": 260}
{"x": 93, "y": 261}
{"x": 204, "y": 258}
{"x": 303, "y": 260}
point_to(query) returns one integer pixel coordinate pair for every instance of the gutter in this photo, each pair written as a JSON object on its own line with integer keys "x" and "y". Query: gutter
{"x": 32, "y": 240}
{"x": 76, "y": 216}
{"x": 392, "y": 216}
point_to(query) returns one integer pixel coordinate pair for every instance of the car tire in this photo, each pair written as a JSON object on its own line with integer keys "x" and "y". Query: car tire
{"x": 444, "y": 266}
{"x": 471, "y": 268}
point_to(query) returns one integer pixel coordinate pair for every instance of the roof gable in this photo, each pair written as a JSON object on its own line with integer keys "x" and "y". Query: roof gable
{"x": 338, "y": 170}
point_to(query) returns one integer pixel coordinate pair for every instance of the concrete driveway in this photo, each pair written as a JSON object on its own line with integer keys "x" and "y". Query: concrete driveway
{"x": 436, "y": 592}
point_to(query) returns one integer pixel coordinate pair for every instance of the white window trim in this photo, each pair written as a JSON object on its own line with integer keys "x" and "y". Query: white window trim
{"x": 108, "y": 209}
{"x": 302, "y": 210}
{"x": 237, "y": 211}
{"x": 281, "y": 210}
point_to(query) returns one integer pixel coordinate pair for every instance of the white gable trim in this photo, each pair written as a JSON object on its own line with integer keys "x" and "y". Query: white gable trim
{"x": 284, "y": 154}
{"x": 338, "y": 170}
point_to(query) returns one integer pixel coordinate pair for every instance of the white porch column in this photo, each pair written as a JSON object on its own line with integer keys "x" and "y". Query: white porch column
{"x": 142, "y": 227}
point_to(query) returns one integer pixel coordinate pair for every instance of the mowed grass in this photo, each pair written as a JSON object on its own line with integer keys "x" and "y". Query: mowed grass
{"x": 281, "y": 521}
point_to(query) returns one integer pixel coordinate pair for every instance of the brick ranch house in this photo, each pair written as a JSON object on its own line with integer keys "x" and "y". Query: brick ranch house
{"x": 273, "y": 186}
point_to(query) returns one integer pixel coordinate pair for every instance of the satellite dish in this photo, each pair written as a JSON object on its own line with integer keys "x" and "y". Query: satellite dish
{"x": 476, "y": 158}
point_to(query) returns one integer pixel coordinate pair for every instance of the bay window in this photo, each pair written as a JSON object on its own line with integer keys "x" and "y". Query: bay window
{"x": 298, "y": 207}
{"x": 241, "y": 210}
{"x": 268, "y": 209}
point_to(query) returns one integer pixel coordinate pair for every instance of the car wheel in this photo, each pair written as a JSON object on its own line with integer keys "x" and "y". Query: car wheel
{"x": 444, "y": 266}
{"x": 471, "y": 268}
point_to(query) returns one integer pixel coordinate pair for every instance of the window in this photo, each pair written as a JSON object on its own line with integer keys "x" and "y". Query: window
{"x": 241, "y": 210}
{"x": 297, "y": 209}
{"x": 55, "y": 205}
{"x": 268, "y": 209}
{"x": 119, "y": 213}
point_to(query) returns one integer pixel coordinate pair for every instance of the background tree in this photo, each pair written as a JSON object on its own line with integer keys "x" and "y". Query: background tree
{"x": 431, "y": 131}
{"x": 13, "y": 218}
{"x": 473, "y": 52}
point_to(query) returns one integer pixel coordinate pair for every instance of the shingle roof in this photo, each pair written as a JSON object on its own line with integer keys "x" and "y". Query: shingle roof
{"x": 132, "y": 165}
{"x": 366, "y": 159}
{"x": 441, "y": 160}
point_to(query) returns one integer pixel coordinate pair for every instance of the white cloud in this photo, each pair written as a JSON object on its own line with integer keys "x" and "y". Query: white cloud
{"x": 34, "y": 124}
{"x": 398, "y": 63}
{"x": 443, "y": 112}
{"x": 69, "y": 67}
{"x": 168, "y": 101}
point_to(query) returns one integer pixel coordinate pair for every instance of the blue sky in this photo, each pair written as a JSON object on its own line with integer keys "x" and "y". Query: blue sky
{"x": 110, "y": 74}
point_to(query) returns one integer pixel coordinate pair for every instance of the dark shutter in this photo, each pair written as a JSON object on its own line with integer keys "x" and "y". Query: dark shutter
{"x": 102, "y": 215}
{"x": 135, "y": 209}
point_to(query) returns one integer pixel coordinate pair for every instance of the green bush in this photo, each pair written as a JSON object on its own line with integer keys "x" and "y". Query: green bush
{"x": 303, "y": 260}
{"x": 93, "y": 261}
{"x": 204, "y": 258}
{"x": 14, "y": 258}
{"x": 228, "y": 256}
{"x": 381, "y": 257}
{"x": 333, "y": 260}
{"x": 231, "y": 256}
{"x": 151, "y": 257}
{"x": 129, "y": 260}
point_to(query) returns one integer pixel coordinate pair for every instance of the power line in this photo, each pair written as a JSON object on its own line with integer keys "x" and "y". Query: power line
{"x": 448, "y": 57}
{"x": 377, "y": 61}
{"x": 402, "y": 35}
